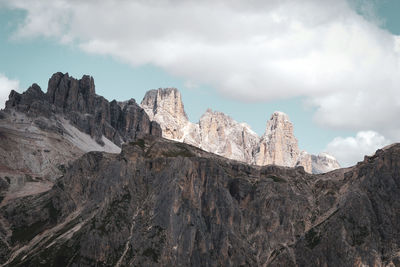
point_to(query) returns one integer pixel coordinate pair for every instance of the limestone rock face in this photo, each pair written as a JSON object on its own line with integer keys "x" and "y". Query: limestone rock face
{"x": 278, "y": 145}
{"x": 215, "y": 132}
{"x": 324, "y": 162}
{"x": 165, "y": 106}
{"x": 222, "y": 135}
{"x": 305, "y": 160}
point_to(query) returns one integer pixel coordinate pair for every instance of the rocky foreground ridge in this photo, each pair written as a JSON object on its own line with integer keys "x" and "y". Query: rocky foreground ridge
{"x": 220, "y": 134}
{"x": 165, "y": 203}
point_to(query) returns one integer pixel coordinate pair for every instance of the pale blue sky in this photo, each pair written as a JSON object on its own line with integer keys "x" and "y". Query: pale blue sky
{"x": 34, "y": 59}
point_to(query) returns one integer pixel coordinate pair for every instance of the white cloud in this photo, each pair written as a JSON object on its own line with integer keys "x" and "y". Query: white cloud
{"x": 254, "y": 50}
{"x": 349, "y": 150}
{"x": 6, "y": 85}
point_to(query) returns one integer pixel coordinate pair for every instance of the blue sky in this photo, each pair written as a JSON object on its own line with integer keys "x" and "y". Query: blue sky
{"x": 29, "y": 55}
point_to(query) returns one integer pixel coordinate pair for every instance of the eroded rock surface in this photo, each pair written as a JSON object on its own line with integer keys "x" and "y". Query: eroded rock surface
{"x": 166, "y": 203}
{"x": 90, "y": 113}
{"x": 41, "y": 132}
{"x": 224, "y": 136}
{"x": 324, "y": 162}
{"x": 278, "y": 144}
{"x": 220, "y": 134}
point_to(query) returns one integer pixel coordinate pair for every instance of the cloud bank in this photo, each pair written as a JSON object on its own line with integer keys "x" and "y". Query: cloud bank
{"x": 6, "y": 85}
{"x": 341, "y": 62}
{"x": 350, "y": 150}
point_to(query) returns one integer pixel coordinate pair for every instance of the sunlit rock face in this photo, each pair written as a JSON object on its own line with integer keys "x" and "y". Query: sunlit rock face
{"x": 324, "y": 162}
{"x": 165, "y": 107}
{"x": 215, "y": 132}
{"x": 224, "y": 136}
{"x": 220, "y": 134}
{"x": 305, "y": 160}
{"x": 278, "y": 145}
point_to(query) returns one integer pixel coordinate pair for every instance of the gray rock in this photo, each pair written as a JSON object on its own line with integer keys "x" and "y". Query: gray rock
{"x": 77, "y": 101}
{"x": 39, "y": 132}
{"x": 166, "y": 203}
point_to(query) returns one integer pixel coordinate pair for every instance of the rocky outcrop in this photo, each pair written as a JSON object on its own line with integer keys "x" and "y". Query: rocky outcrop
{"x": 33, "y": 151}
{"x": 77, "y": 101}
{"x": 305, "y": 160}
{"x": 166, "y": 108}
{"x": 324, "y": 162}
{"x": 165, "y": 203}
{"x": 41, "y": 132}
{"x": 215, "y": 132}
{"x": 278, "y": 144}
{"x": 220, "y": 134}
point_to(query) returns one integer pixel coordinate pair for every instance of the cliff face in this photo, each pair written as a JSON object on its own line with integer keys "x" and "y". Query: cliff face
{"x": 41, "y": 132}
{"x": 323, "y": 163}
{"x": 165, "y": 106}
{"x": 165, "y": 203}
{"x": 220, "y": 134}
{"x": 77, "y": 101}
{"x": 278, "y": 144}
{"x": 215, "y": 132}
{"x": 223, "y": 136}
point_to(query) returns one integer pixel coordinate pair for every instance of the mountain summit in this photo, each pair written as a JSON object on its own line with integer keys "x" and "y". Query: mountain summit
{"x": 166, "y": 106}
{"x": 87, "y": 182}
{"x": 220, "y": 134}
{"x": 278, "y": 144}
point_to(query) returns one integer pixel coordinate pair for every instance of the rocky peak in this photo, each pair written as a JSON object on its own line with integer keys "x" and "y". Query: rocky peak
{"x": 70, "y": 94}
{"x": 76, "y": 100}
{"x": 32, "y": 102}
{"x": 165, "y": 107}
{"x": 220, "y": 134}
{"x": 224, "y": 136}
{"x": 278, "y": 145}
{"x": 324, "y": 162}
{"x": 217, "y": 116}
{"x": 164, "y": 101}
{"x": 277, "y": 120}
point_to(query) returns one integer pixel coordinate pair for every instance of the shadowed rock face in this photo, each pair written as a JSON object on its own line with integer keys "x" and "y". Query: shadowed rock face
{"x": 41, "y": 132}
{"x": 165, "y": 203}
{"x": 90, "y": 113}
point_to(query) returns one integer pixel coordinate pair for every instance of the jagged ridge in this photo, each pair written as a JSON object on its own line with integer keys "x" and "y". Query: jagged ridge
{"x": 166, "y": 203}
{"x": 91, "y": 113}
{"x": 41, "y": 132}
{"x": 218, "y": 133}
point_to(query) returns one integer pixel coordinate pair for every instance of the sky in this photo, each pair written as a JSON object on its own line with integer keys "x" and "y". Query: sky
{"x": 333, "y": 66}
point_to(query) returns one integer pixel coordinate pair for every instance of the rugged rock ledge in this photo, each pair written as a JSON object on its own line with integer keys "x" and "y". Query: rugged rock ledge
{"x": 165, "y": 203}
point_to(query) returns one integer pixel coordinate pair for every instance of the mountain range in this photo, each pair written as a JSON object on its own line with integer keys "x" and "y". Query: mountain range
{"x": 220, "y": 134}
{"x": 88, "y": 182}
